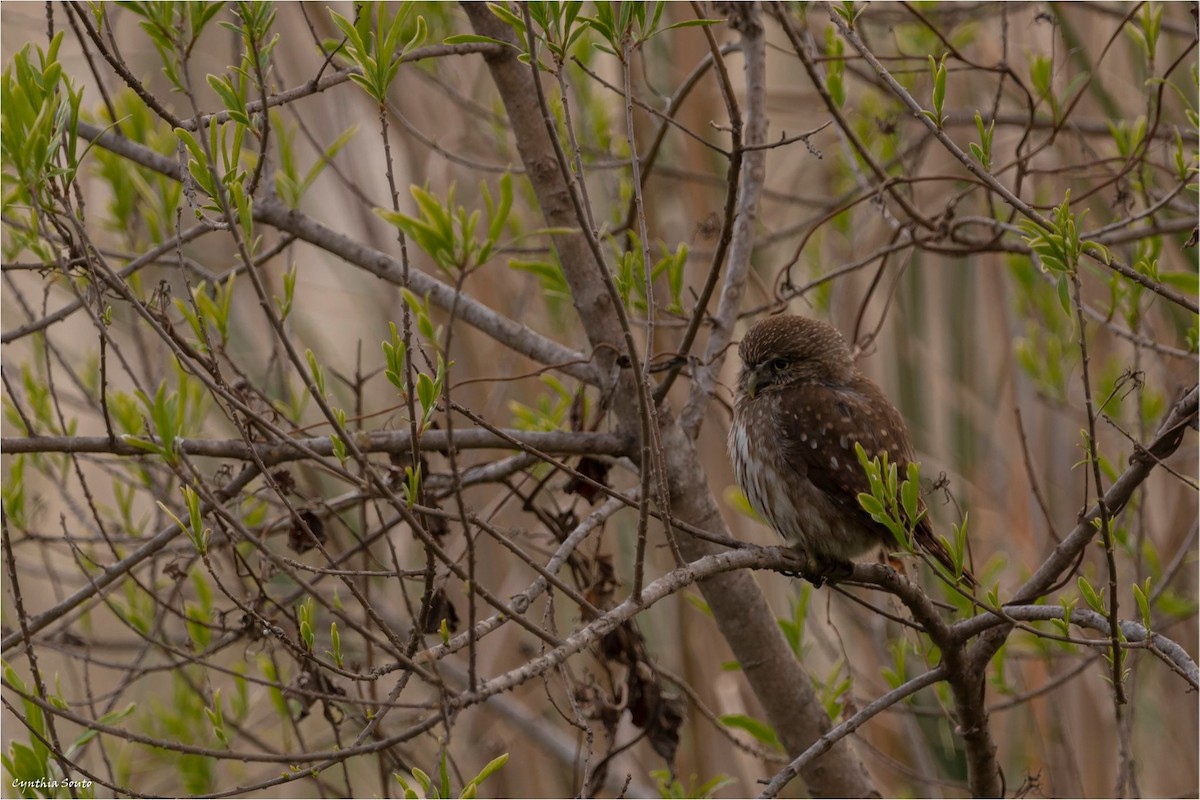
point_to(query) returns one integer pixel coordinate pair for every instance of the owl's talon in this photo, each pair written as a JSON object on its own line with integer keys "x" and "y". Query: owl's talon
{"x": 817, "y": 569}
{"x": 815, "y": 578}
{"x": 799, "y": 558}
{"x": 837, "y": 570}
{"x": 820, "y": 570}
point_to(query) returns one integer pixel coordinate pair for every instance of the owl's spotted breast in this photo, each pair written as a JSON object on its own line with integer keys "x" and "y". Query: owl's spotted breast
{"x": 797, "y": 478}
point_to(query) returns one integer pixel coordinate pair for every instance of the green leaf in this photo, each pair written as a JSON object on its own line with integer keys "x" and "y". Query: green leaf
{"x": 318, "y": 375}
{"x": 692, "y": 23}
{"x": 1141, "y": 594}
{"x": 423, "y": 779}
{"x": 498, "y": 218}
{"x": 910, "y": 493}
{"x": 1187, "y": 282}
{"x": 111, "y": 718}
{"x": 394, "y": 356}
{"x": 1090, "y": 595}
{"x": 938, "y": 68}
{"x": 872, "y": 506}
{"x": 897, "y": 674}
{"x": 759, "y": 730}
{"x": 473, "y": 38}
{"x": 425, "y": 392}
{"x": 492, "y": 767}
{"x": 24, "y": 765}
{"x": 510, "y": 19}
{"x": 983, "y": 150}
{"x": 1063, "y": 288}
{"x": 697, "y": 601}
{"x": 38, "y": 759}
{"x": 335, "y": 641}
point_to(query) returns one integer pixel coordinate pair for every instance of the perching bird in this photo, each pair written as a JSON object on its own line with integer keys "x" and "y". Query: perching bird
{"x": 801, "y": 406}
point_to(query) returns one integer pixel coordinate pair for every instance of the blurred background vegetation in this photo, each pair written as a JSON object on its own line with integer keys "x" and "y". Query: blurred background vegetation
{"x": 975, "y": 340}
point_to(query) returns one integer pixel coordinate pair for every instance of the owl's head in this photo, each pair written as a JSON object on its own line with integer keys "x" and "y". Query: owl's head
{"x": 788, "y": 350}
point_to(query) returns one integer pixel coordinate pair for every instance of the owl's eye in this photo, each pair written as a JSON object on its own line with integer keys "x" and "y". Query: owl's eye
{"x": 780, "y": 364}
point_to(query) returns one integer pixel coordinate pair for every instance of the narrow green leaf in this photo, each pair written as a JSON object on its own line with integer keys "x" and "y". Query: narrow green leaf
{"x": 492, "y": 767}
{"x": 756, "y": 728}
{"x": 473, "y": 38}
{"x": 1090, "y": 595}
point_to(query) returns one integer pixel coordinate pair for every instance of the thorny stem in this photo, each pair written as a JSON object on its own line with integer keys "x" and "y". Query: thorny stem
{"x": 662, "y": 494}
{"x": 427, "y": 595}
{"x": 469, "y": 531}
{"x": 739, "y": 189}
{"x": 1093, "y": 457}
{"x": 649, "y": 461}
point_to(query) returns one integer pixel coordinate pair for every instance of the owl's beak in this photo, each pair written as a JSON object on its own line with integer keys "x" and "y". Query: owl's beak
{"x": 755, "y": 379}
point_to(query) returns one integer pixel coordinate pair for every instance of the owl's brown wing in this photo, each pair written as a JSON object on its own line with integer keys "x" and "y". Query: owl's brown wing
{"x": 821, "y": 425}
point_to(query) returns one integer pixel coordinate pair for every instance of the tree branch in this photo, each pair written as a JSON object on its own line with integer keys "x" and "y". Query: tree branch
{"x": 272, "y": 212}
{"x": 563, "y": 442}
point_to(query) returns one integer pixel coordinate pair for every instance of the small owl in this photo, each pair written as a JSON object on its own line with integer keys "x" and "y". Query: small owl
{"x": 801, "y": 407}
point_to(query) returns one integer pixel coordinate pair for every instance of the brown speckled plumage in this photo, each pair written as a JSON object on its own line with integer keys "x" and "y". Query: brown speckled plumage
{"x": 801, "y": 406}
